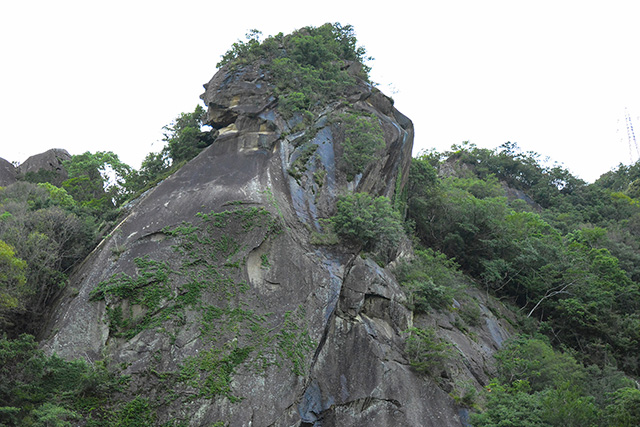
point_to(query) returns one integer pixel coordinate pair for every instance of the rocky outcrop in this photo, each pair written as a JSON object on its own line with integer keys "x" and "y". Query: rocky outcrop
{"x": 515, "y": 194}
{"x": 49, "y": 163}
{"x": 211, "y": 297}
{"x": 7, "y": 173}
{"x": 45, "y": 166}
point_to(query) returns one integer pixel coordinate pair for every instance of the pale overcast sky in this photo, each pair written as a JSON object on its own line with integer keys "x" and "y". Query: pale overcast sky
{"x": 553, "y": 76}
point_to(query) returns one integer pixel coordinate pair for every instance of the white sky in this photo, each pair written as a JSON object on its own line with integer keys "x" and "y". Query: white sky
{"x": 553, "y": 76}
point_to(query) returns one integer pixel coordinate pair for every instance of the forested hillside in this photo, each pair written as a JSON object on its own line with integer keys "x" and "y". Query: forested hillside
{"x": 564, "y": 253}
{"x": 561, "y": 255}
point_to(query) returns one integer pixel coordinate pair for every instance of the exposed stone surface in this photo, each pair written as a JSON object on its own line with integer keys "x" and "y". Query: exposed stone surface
{"x": 8, "y": 173}
{"x": 515, "y": 194}
{"x": 308, "y": 335}
{"x": 49, "y": 161}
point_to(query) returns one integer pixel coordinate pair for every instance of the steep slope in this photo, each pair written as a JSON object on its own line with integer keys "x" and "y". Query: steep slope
{"x": 211, "y": 296}
{"x": 7, "y": 173}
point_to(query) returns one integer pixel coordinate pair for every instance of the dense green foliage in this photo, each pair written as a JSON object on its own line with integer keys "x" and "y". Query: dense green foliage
{"x": 309, "y": 46}
{"x": 12, "y": 281}
{"x": 574, "y": 274}
{"x": 424, "y": 350}
{"x": 564, "y": 252}
{"x": 44, "y": 233}
{"x": 431, "y": 280}
{"x": 363, "y": 140}
{"x": 184, "y": 137}
{"x": 40, "y": 390}
{"x": 368, "y": 222}
{"x": 97, "y": 181}
{"x": 308, "y": 67}
{"x": 538, "y": 386}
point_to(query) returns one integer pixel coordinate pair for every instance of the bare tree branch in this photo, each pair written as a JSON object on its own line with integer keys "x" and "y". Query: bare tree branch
{"x": 551, "y": 293}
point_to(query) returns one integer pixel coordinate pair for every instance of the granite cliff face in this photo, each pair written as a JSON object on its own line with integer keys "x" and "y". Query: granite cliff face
{"x": 211, "y": 296}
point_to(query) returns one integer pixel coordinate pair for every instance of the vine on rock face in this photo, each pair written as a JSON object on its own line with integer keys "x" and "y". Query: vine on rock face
{"x": 205, "y": 283}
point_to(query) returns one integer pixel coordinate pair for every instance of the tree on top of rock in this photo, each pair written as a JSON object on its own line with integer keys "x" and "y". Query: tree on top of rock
{"x": 309, "y": 67}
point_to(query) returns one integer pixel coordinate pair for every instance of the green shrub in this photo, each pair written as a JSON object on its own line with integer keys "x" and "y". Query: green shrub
{"x": 299, "y": 166}
{"x": 424, "y": 350}
{"x": 316, "y": 47}
{"x": 136, "y": 413}
{"x": 41, "y": 390}
{"x": 538, "y": 386}
{"x": 368, "y": 222}
{"x": 327, "y": 237}
{"x": 624, "y": 411}
{"x": 470, "y": 313}
{"x": 431, "y": 278}
{"x": 363, "y": 139}
{"x": 510, "y": 406}
{"x": 50, "y": 415}
{"x": 12, "y": 280}
{"x": 47, "y": 233}
{"x": 306, "y": 67}
{"x": 534, "y": 360}
{"x": 464, "y": 393}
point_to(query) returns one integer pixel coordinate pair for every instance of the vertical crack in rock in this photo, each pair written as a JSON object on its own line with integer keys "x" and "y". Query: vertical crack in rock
{"x": 253, "y": 324}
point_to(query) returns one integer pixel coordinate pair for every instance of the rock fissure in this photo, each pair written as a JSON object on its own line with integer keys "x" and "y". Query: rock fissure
{"x": 254, "y": 323}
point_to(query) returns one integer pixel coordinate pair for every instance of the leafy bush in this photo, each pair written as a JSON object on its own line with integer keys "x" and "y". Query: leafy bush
{"x": 49, "y": 233}
{"x": 510, "y": 406}
{"x": 424, "y": 350}
{"x": 470, "y": 313}
{"x": 12, "y": 281}
{"x": 97, "y": 181}
{"x": 306, "y": 67}
{"x": 538, "y": 386}
{"x": 136, "y": 413}
{"x": 431, "y": 278}
{"x": 368, "y": 222}
{"x": 534, "y": 360}
{"x": 184, "y": 137}
{"x": 41, "y": 390}
{"x": 624, "y": 411}
{"x": 363, "y": 140}
{"x": 310, "y": 46}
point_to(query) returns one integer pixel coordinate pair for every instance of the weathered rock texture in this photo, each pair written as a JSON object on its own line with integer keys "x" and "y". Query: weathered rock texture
{"x": 49, "y": 161}
{"x": 47, "y": 164}
{"x": 211, "y": 296}
{"x": 7, "y": 173}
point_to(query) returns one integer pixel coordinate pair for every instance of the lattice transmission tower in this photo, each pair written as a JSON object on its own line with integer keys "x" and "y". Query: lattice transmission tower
{"x": 631, "y": 136}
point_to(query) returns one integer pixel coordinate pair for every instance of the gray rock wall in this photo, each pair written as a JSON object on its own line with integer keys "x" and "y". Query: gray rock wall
{"x": 51, "y": 160}
{"x": 7, "y": 173}
{"x": 211, "y": 296}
